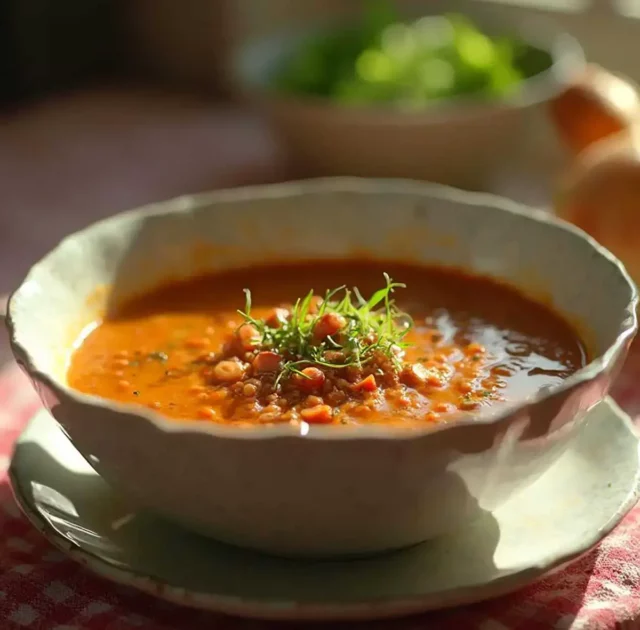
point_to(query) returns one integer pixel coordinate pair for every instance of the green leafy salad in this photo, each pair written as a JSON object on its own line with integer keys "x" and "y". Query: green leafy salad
{"x": 384, "y": 60}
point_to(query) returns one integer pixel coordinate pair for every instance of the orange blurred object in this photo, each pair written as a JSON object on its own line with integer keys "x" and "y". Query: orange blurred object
{"x": 599, "y": 120}
{"x": 597, "y": 106}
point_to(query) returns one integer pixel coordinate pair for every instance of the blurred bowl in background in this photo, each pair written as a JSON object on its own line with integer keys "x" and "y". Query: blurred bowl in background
{"x": 458, "y": 141}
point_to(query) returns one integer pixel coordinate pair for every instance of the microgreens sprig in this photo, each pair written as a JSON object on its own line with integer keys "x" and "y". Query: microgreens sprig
{"x": 373, "y": 326}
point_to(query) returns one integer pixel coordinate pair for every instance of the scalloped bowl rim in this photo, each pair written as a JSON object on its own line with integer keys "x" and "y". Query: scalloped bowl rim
{"x": 186, "y": 203}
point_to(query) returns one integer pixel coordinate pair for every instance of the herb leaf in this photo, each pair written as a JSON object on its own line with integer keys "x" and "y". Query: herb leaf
{"x": 372, "y": 327}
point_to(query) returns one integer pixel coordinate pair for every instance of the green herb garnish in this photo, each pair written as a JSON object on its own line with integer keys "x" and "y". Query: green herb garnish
{"x": 372, "y": 327}
{"x": 383, "y": 59}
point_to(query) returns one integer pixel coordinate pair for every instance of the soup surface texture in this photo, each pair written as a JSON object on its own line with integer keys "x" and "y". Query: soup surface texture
{"x": 440, "y": 344}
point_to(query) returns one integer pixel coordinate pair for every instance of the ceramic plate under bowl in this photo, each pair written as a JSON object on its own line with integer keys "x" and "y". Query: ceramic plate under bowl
{"x": 557, "y": 519}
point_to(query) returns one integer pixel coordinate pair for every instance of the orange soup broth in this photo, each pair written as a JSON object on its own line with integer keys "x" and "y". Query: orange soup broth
{"x": 482, "y": 343}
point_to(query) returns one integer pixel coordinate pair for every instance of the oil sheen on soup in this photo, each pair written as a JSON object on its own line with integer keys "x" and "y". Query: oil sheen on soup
{"x": 342, "y": 342}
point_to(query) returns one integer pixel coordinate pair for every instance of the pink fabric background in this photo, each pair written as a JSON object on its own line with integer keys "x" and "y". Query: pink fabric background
{"x": 40, "y": 589}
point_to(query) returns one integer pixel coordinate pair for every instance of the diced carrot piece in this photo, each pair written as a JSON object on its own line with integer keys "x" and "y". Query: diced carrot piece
{"x": 314, "y": 304}
{"x": 267, "y": 362}
{"x": 367, "y": 384}
{"x": 248, "y": 337}
{"x": 320, "y": 414}
{"x": 329, "y": 324}
{"x": 311, "y": 379}
{"x": 278, "y": 317}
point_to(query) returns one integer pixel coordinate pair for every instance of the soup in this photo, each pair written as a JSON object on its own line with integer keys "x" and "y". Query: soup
{"x": 410, "y": 344}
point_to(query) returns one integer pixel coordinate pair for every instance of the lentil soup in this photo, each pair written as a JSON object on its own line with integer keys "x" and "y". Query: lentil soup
{"x": 423, "y": 349}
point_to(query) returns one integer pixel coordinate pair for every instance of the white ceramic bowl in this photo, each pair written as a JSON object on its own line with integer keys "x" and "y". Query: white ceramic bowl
{"x": 457, "y": 142}
{"x": 333, "y": 490}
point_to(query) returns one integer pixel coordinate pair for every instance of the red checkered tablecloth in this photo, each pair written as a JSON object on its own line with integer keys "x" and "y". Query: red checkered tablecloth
{"x": 40, "y": 589}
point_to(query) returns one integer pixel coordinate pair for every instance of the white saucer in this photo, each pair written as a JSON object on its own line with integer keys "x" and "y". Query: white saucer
{"x": 563, "y": 515}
